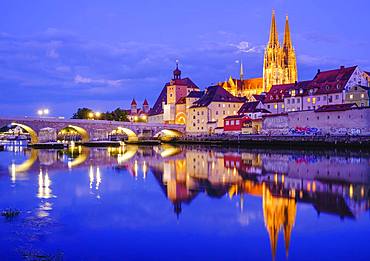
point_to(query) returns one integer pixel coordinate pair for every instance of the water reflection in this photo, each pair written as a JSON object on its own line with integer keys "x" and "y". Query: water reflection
{"x": 333, "y": 183}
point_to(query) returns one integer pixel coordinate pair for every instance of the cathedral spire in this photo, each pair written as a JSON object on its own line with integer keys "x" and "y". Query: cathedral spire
{"x": 287, "y": 39}
{"x": 241, "y": 70}
{"x": 274, "y": 40}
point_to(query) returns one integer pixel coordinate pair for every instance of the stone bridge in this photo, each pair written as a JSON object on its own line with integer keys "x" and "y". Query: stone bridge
{"x": 91, "y": 130}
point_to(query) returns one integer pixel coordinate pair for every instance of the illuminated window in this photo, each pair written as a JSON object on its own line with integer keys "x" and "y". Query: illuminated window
{"x": 282, "y": 106}
{"x": 227, "y": 123}
{"x": 362, "y": 95}
{"x": 308, "y": 99}
{"x": 275, "y": 106}
{"x": 351, "y": 96}
{"x": 314, "y": 100}
{"x": 293, "y": 93}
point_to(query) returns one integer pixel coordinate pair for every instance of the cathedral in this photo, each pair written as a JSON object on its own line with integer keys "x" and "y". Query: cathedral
{"x": 279, "y": 67}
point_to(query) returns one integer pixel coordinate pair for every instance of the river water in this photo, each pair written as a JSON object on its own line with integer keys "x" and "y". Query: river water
{"x": 184, "y": 203}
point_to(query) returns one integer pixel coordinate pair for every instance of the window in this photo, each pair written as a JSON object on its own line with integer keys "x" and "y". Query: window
{"x": 318, "y": 98}
{"x": 337, "y": 97}
{"x": 328, "y": 117}
{"x": 309, "y": 107}
{"x": 231, "y": 122}
{"x": 237, "y": 122}
{"x": 219, "y": 105}
{"x": 362, "y": 95}
{"x": 282, "y": 106}
{"x": 338, "y": 117}
{"x": 202, "y": 112}
{"x": 216, "y": 112}
{"x": 227, "y": 123}
{"x": 308, "y": 99}
{"x": 318, "y": 118}
{"x": 324, "y": 98}
{"x": 275, "y": 106}
{"x": 268, "y": 106}
{"x": 298, "y": 100}
{"x": 293, "y": 93}
{"x": 351, "y": 96}
{"x": 288, "y": 100}
{"x": 229, "y": 105}
{"x": 313, "y": 100}
{"x": 293, "y": 101}
{"x": 194, "y": 117}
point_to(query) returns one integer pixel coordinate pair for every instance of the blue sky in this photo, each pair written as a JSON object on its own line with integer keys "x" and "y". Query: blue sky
{"x": 100, "y": 54}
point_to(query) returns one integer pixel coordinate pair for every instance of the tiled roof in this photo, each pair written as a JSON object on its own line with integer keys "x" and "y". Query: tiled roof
{"x": 157, "y": 107}
{"x": 326, "y": 82}
{"x": 216, "y": 94}
{"x": 184, "y": 81}
{"x": 249, "y": 107}
{"x": 195, "y": 94}
{"x": 278, "y": 92}
{"x": 232, "y": 117}
{"x": 259, "y": 97}
{"x": 336, "y": 107}
{"x": 181, "y": 100}
{"x": 145, "y": 102}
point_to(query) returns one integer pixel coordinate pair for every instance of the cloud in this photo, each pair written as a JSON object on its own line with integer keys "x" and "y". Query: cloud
{"x": 246, "y": 47}
{"x": 86, "y": 80}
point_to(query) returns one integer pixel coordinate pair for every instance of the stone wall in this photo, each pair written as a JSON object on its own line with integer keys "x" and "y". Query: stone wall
{"x": 354, "y": 122}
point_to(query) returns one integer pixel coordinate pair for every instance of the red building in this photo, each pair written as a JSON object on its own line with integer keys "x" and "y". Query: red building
{"x": 235, "y": 123}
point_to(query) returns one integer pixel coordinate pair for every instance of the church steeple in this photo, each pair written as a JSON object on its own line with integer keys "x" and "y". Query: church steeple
{"x": 241, "y": 71}
{"x": 274, "y": 39}
{"x": 287, "y": 39}
{"x": 177, "y": 72}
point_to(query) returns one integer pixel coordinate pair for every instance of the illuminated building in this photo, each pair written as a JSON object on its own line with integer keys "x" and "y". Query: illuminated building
{"x": 279, "y": 65}
{"x": 170, "y": 106}
{"x": 136, "y": 114}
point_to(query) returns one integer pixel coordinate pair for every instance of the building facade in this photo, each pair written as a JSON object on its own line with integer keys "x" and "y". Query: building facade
{"x": 208, "y": 112}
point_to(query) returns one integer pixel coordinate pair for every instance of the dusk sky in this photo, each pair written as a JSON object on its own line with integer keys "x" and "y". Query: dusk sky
{"x": 100, "y": 54}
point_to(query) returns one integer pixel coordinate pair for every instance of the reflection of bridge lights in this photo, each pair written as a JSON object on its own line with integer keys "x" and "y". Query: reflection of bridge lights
{"x": 351, "y": 191}
{"x": 44, "y": 190}
{"x": 145, "y": 169}
{"x": 362, "y": 192}
{"x": 135, "y": 168}
{"x": 98, "y": 178}
{"x": 13, "y": 172}
{"x": 94, "y": 177}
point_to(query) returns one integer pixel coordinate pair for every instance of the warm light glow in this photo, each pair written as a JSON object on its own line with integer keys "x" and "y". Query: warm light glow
{"x": 91, "y": 115}
{"x": 97, "y": 114}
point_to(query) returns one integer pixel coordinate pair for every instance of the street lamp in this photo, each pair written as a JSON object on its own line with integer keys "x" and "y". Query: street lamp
{"x": 97, "y": 114}
{"x": 43, "y": 112}
{"x": 91, "y": 115}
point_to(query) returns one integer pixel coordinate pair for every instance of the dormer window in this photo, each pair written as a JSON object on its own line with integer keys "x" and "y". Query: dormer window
{"x": 301, "y": 91}
{"x": 293, "y": 93}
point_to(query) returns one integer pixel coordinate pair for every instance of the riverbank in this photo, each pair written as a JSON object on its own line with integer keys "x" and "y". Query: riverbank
{"x": 362, "y": 142}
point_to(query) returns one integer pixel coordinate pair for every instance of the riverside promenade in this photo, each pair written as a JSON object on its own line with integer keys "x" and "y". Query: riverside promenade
{"x": 289, "y": 141}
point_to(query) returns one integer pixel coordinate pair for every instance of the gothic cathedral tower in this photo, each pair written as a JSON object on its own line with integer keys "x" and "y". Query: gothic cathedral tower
{"x": 289, "y": 59}
{"x": 280, "y": 65}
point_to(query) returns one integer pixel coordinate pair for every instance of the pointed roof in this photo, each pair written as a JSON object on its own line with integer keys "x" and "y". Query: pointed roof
{"x": 274, "y": 39}
{"x": 145, "y": 102}
{"x": 287, "y": 39}
{"x": 133, "y": 102}
{"x": 241, "y": 70}
{"x": 216, "y": 94}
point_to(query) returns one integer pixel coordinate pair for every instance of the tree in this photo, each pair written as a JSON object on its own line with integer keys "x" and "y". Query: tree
{"x": 82, "y": 113}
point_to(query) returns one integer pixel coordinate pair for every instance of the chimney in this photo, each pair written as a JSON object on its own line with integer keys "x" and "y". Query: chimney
{"x": 318, "y": 71}
{"x": 341, "y": 67}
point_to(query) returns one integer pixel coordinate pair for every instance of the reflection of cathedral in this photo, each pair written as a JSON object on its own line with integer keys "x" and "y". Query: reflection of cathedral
{"x": 279, "y": 214}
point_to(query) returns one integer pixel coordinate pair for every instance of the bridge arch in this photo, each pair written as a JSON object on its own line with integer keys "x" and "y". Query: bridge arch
{"x": 181, "y": 118}
{"x": 131, "y": 135}
{"x": 32, "y": 132}
{"x": 85, "y": 137}
{"x": 168, "y": 134}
